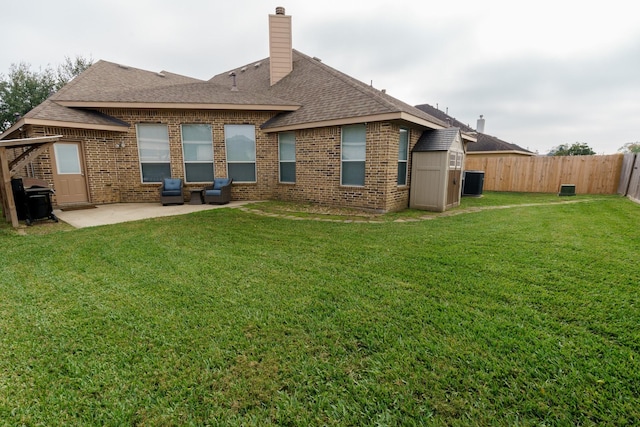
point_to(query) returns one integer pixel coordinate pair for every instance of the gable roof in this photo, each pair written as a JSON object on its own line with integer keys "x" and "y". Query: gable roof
{"x": 484, "y": 142}
{"x": 108, "y": 81}
{"x": 436, "y": 140}
{"x": 311, "y": 95}
{"x": 106, "y": 84}
{"x": 326, "y": 95}
{"x": 109, "y": 85}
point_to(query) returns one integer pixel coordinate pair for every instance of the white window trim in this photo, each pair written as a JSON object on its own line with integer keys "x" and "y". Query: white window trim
{"x": 255, "y": 154}
{"x": 342, "y": 161}
{"x": 184, "y": 159}
{"x": 140, "y": 162}
{"x": 280, "y": 161}
{"x": 405, "y": 161}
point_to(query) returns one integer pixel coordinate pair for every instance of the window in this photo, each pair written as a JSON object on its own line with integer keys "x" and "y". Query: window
{"x": 241, "y": 152}
{"x": 197, "y": 147}
{"x": 153, "y": 148}
{"x": 287, "y": 153}
{"x": 403, "y": 155}
{"x": 455, "y": 160}
{"x": 67, "y": 158}
{"x": 353, "y": 154}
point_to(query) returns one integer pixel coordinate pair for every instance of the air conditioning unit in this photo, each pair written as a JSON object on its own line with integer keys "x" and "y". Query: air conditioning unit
{"x": 567, "y": 190}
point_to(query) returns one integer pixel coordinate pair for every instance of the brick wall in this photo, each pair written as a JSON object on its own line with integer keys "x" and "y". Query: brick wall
{"x": 318, "y": 170}
{"x": 114, "y": 173}
{"x": 133, "y": 190}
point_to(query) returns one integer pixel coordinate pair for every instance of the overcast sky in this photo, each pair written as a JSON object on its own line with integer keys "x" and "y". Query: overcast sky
{"x": 542, "y": 73}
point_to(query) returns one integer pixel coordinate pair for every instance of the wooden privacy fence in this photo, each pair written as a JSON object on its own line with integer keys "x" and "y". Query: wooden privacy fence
{"x": 545, "y": 174}
{"x": 630, "y": 177}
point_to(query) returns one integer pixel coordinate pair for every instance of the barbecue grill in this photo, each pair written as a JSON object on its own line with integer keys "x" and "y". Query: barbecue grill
{"x": 33, "y": 199}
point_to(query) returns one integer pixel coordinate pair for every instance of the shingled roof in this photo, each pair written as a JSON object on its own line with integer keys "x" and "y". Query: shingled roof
{"x": 325, "y": 95}
{"x": 109, "y": 84}
{"x": 492, "y": 144}
{"x": 50, "y": 111}
{"x": 436, "y": 140}
{"x": 484, "y": 142}
{"x": 312, "y": 95}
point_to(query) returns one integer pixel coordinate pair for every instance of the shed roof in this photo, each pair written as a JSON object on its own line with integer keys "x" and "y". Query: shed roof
{"x": 436, "y": 140}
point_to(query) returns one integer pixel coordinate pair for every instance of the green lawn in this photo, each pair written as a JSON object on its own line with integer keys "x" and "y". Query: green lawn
{"x": 528, "y": 315}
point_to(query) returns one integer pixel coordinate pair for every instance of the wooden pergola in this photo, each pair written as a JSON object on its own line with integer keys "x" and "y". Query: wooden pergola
{"x": 33, "y": 147}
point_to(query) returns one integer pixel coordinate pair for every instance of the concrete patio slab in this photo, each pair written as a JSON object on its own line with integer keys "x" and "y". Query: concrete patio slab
{"x": 124, "y": 212}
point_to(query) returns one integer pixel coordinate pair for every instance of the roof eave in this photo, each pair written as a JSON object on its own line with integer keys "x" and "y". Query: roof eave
{"x": 468, "y": 137}
{"x": 402, "y": 116}
{"x": 16, "y": 126}
{"x": 63, "y": 124}
{"x": 175, "y": 105}
{"x": 524, "y": 153}
{"x": 8, "y": 143}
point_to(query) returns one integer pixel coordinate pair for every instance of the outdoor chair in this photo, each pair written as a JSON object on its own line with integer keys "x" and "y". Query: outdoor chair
{"x": 171, "y": 192}
{"x": 219, "y": 192}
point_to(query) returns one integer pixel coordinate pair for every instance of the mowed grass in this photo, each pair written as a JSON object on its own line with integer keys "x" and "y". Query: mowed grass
{"x": 522, "y": 316}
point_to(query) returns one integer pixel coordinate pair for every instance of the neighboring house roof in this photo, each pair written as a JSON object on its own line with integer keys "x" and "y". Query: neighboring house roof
{"x": 485, "y": 143}
{"x": 488, "y": 143}
{"x": 436, "y": 140}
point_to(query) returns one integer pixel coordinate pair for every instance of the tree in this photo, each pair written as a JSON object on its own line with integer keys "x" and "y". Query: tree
{"x": 24, "y": 89}
{"x": 630, "y": 147}
{"x": 70, "y": 69}
{"x": 576, "y": 149}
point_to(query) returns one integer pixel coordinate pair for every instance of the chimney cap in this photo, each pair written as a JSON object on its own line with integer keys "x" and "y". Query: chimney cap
{"x": 279, "y": 10}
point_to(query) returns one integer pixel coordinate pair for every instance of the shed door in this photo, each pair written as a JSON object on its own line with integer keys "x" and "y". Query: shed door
{"x": 454, "y": 177}
{"x": 68, "y": 173}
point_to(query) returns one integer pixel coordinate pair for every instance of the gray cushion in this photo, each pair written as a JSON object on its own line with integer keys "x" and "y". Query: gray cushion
{"x": 172, "y": 184}
{"x": 218, "y": 183}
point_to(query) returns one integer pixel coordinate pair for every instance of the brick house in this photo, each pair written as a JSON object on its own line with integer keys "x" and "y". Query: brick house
{"x": 287, "y": 127}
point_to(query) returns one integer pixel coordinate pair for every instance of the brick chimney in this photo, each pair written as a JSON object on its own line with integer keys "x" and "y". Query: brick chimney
{"x": 280, "y": 45}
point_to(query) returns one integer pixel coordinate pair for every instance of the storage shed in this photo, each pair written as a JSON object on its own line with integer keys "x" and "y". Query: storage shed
{"x": 436, "y": 171}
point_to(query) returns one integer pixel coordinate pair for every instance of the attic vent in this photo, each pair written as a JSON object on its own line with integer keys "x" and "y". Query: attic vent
{"x": 257, "y": 64}
{"x": 232, "y": 73}
{"x": 317, "y": 59}
{"x": 123, "y": 66}
{"x": 160, "y": 75}
{"x": 243, "y": 69}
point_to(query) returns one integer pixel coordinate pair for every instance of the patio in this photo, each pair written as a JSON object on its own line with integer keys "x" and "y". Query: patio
{"x": 123, "y": 212}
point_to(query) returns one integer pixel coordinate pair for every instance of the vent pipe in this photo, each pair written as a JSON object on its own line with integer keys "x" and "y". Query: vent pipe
{"x": 234, "y": 85}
